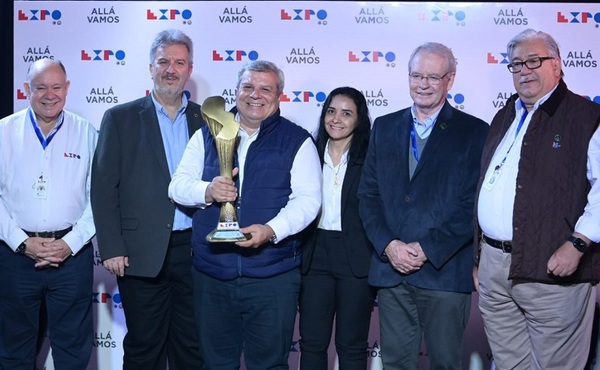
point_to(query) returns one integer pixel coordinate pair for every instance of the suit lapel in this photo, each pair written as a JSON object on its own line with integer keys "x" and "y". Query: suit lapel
{"x": 149, "y": 119}
{"x": 403, "y": 143}
{"x": 194, "y": 121}
{"x": 351, "y": 177}
{"x": 438, "y": 133}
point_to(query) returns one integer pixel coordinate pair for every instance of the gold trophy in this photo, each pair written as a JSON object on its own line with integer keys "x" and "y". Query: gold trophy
{"x": 224, "y": 129}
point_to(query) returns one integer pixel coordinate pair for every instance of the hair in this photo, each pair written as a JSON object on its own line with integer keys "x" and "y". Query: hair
{"x": 360, "y": 137}
{"x": 263, "y": 66}
{"x": 533, "y": 35}
{"x": 435, "y": 48}
{"x": 171, "y": 37}
{"x": 45, "y": 63}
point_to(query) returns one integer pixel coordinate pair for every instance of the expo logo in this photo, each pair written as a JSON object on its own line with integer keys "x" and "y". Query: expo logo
{"x": 234, "y": 55}
{"x": 458, "y": 100}
{"x": 40, "y": 15}
{"x": 304, "y": 97}
{"x": 104, "y": 55}
{"x": 371, "y": 56}
{"x": 304, "y": 15}
{"x": 106, "y": 298}
{"x": 577, "y": 17}
{"x": 444, "y": 16}
{"x": 169, "y": 15}
{"x": 491, "y": 59}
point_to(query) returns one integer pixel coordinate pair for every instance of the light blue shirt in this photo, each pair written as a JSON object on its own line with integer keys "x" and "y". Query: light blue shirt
{"x": 175, "y": 137}
{"x": 423, "y": 129}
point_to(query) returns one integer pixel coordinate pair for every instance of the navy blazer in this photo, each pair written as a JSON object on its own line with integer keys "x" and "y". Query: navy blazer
{"x": 355, "y": 243}
{"x": 130, "y": 178}
{"x": 434, "y": 207}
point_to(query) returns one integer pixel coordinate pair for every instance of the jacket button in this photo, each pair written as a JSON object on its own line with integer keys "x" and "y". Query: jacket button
{"x": 169, "y": 226}
{"x": 407, "y": 199}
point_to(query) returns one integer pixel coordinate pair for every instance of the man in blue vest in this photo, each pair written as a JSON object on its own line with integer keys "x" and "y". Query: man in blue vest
{"x": 246, "y": 293}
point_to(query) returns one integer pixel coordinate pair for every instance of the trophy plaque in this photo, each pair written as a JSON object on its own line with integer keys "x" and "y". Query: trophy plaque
{"x": 224, "y": 129}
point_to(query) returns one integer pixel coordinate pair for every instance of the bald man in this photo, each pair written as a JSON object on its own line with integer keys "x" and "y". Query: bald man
{"x": 46, "y": 225}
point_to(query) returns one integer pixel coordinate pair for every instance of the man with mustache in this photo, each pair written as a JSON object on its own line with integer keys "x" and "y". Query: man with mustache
{"x": 538, "y": 208}
{"x": 143, "y": 237}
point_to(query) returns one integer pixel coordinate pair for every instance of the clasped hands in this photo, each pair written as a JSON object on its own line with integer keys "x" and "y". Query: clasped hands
{"x": 47, "y": 252}
{"x": 405, "y": 257}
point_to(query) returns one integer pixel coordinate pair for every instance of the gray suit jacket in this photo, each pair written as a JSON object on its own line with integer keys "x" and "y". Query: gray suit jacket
{"x": 130, "y": 177}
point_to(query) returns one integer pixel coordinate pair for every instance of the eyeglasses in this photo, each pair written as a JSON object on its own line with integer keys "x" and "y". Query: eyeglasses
{"x": 416, "y": 78}
{"x": 532, "y": 63}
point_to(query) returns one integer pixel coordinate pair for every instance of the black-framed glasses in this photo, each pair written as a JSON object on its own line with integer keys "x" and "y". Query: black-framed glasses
{"x": 531, "y": 63}
{"x": 416, "y": 78}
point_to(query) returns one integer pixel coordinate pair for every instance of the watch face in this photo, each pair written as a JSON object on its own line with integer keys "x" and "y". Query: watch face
{"x": 579, "y": 244}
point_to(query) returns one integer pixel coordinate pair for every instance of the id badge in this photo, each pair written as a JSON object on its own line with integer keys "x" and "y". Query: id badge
{"x": 41, "y": 188}
{"x": 492, "y": 178}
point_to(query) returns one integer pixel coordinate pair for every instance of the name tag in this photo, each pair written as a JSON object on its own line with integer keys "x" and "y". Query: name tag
{"x": 41, "y": 188}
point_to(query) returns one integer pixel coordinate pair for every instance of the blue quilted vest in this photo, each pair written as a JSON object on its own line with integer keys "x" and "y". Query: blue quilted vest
{"x": 266, "y": 190}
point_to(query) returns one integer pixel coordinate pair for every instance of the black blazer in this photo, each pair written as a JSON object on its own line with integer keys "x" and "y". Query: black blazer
{"x": 354, "y": 239}
{"x": 434, "y": 207}
{"x": 129, "y": 192}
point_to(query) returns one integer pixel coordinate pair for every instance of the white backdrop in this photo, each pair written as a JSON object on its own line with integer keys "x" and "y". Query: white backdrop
{"x": 320, "y": 45}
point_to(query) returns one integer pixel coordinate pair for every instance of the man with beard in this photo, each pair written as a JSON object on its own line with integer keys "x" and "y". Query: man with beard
{"x": 143, "y": 237}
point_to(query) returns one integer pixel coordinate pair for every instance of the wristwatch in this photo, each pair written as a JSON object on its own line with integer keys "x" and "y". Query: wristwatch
{"x": 579, "y": 244}
{"x": 273, "y": 238}
{"x": 21, "y": 248}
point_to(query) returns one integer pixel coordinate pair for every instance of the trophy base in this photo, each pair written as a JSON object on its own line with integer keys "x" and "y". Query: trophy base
{"x": 226, "y": 236}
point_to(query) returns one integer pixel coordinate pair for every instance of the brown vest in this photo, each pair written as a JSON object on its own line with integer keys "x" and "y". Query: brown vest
{"x": 551, "y": 186}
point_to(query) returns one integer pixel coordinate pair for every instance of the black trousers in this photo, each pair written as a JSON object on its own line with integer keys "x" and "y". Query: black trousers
{"x": 159, "y": 314}
{"x": 329, "y": 290}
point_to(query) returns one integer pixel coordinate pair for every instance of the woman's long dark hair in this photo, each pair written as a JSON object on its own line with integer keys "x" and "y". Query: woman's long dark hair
{"x": 360, "y": 137}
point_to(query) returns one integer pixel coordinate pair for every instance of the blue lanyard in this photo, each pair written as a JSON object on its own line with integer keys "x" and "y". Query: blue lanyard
{"x": 413, "y": 141}
{"x": 523, "y": 117}
{"x": 45, "y": 142}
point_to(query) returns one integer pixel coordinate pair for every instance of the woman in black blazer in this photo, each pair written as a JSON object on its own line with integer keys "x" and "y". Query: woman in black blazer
{"x": 337, "y": 255}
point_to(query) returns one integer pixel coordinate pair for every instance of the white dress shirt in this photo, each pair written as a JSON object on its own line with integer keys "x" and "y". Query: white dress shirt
{"x": 63, "y": 168}
{"x": 188, "y": 189}
{"x": 496, "y": 202}
{"x": 333, "y": 178}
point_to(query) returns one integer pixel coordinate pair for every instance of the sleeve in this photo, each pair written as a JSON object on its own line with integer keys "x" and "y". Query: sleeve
{"x": 84, "y": 228}
{"x": 106, "y": 169}
{"x": 305, "y": 199}
{"x": 187, "y": 187}
{"x": 589, "y": 222}
{"x": 371, "y": 207}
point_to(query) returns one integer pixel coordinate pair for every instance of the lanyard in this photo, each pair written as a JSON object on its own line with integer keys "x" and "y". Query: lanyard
{"x": 45, "y": 142}
{"x": 523, "y": 117}
{"x": 413, "y": 141}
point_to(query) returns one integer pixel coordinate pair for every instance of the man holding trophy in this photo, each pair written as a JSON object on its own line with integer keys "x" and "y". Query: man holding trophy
{"x": 246, "y": 277}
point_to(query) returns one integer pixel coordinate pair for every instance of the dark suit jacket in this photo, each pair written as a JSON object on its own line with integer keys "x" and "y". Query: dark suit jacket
{"x": 354, "y": 239}
{"x": 435, "y": 207}
{"x": 129, "y": 192}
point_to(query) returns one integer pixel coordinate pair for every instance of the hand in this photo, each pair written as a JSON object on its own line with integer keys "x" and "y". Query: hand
{"x": 34, "y": 246}
{"x": 260, "y": 234}
{"x": 405, "y": 258}
{"x": 55, "y": 253}
{"x": 564, "y": 261}
{"x": 116, "y": 265}
{"x": 222, "y": 189}
{"x": 476, "y": 277}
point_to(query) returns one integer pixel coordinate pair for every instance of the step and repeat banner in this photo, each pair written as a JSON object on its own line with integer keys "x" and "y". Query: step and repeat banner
{"x": 319, "y": 45}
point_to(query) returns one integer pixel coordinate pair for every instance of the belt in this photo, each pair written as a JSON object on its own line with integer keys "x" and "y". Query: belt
{"x": 504, "y": 245}
{"x": 49, "y": 234}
